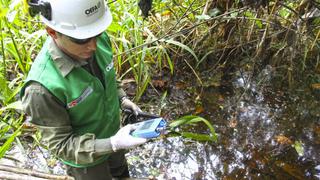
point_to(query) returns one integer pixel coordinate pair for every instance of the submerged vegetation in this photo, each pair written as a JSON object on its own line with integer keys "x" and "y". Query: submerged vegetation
{"x": 179, "y": 36}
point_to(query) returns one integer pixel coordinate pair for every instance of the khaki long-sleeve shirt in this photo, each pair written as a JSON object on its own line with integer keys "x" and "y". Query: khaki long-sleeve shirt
{"x": 52, "y": 120}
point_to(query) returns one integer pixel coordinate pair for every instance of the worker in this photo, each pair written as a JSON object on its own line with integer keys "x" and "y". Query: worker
{"x": 71, "y": 92}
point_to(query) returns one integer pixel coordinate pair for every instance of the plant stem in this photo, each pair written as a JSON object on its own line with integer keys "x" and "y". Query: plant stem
{"x": 16, "y": 48}
{"x": 3, "y": 53}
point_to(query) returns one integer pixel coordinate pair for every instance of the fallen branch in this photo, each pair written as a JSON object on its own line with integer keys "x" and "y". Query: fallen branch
{"x": 16, "y": 170}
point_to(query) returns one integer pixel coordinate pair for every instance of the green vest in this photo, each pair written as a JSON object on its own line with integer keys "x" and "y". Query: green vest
{"x": 93, "y": 107}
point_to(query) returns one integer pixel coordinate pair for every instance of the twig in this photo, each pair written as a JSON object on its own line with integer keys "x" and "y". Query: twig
{"x": 315, "y": 40}
{"x": 205, "y": 9}
{"x": 183, "y": 31}
{"x": 111, "y": 2}
{"x": 11, "y": 158}
{"x": 179, "y": 20}
{"x": 177, "y": 33}
{"x": 194, "y": 72}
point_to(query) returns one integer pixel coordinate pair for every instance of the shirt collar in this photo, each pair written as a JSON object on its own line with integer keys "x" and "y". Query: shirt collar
{"x": 63, "y": 62}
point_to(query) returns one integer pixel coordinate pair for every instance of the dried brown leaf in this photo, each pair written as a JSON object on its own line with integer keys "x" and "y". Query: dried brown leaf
{"x": 158, "y": 83}
{"x": 317, "y": 129}
{"x": 291, "y": 169}
{"x": 233, "y": 123}
{"x": 315, "y": 86}
{"x": 199, "y": 109}
{"x": 181, "y": 85}
{"x": 281, "y": 139}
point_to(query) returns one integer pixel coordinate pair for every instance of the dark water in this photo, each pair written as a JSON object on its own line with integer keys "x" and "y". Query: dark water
{"x": 265, "y": 132}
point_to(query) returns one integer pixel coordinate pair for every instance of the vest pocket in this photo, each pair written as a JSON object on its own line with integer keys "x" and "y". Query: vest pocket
{"x": 81, "y": 98}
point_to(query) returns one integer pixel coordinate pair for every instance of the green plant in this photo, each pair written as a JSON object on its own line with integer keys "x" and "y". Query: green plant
{"x": 140, "y": 45}
{"x": 18, "y": 40}
{"x": 11, "y": 124}
{"x": 192, "y": 120}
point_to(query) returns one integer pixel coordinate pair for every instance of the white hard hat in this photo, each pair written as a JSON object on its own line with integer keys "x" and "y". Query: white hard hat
{"x": 79, "y": 19}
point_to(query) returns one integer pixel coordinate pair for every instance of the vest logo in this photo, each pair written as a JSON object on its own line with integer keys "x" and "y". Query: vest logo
{"x": 109, "y": 66}
{"x": 93, "y": 9}
{"x": 81, "y": 98}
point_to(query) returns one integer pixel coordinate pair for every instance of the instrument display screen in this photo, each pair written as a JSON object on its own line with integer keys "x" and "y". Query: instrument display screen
{"x": 146, "y": 125}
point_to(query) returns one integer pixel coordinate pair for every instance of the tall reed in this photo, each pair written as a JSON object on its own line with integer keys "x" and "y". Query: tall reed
{"x": 18, "y": 40}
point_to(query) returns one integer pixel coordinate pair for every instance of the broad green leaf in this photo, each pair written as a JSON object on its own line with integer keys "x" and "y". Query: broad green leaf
{"x": 191, "y": 119}
{"x": 197, "y": 137}
{"x": 183, "y": 46}
{"x": 7, "y": 144}
{"x": 199, "y": 119}
{"x": 299, "y": 148}
{"x": 181, "y": 121}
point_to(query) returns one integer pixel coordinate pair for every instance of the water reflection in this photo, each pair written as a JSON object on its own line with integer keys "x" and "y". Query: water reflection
{"x": 259, "y": 127}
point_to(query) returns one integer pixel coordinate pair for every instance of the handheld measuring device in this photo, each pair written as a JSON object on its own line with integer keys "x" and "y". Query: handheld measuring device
{"x": 150, "y": 129}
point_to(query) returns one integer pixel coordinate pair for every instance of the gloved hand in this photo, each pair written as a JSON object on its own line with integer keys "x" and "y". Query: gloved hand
{"x": 123, "y": 140}
{"x": 127, "y": 104}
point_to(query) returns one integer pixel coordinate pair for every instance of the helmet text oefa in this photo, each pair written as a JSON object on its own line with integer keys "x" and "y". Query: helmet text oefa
{"x": 93, "y": 9}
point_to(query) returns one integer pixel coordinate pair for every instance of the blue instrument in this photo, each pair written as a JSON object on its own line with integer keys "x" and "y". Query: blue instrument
{"x": 150, "y": 129}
